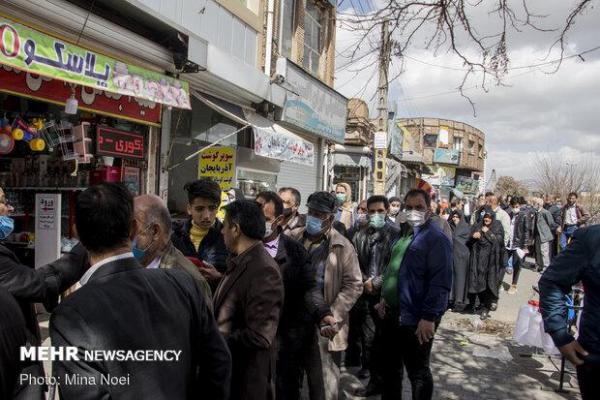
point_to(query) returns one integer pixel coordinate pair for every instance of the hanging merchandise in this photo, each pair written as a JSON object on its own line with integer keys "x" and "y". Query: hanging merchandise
{"x": 7, "y": 143}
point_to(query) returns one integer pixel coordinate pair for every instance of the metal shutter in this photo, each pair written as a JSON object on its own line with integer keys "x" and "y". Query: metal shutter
{"x": 304, "y": 178}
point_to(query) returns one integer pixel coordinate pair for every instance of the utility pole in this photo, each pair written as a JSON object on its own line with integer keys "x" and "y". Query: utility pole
{"x": 379, "y": 172}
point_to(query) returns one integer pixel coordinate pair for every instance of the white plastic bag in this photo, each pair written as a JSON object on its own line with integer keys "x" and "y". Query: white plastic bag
{"x": 522, "y": 326}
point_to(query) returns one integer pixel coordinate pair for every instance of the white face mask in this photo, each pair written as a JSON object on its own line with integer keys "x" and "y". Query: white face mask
{"x": 415, "y": 218}
{"x": 394, "y": 210}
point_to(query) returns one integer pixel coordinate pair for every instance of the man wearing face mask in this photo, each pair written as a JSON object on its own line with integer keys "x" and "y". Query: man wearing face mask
{"x": 293, "y": 222}
{"x": 340, "y": 280}
{"x": 40, "y": 285}
{"x": 152, "y": 245}
{"x": 304, "y": 307}
{"x": 395, "y": 208}
{"x": 424, "y": 282}
{"x": 248, "y": 302}
{"x": 361, "y": 219}
{"x": 373, "y": 245}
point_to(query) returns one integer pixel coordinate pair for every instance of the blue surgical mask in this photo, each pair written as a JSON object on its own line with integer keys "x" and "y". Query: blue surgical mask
{"x": 7, "y": 225}
{"x": 340, "y": 197}
{"x": 377, "y": 221}
{"x": 138, "y": 253}
{"x": 314, "y": 225}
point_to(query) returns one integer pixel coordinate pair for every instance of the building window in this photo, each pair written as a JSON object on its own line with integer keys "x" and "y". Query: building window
{"x": 288, "y": 15}
{"x": 313, "y": 37}
{"x": 457, "y": 144}
{"x": 471, "y": 147}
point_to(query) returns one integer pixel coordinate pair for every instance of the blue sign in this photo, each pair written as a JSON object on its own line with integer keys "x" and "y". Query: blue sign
{"x": 446, "y": 156}
{"x": 311, "y": 105}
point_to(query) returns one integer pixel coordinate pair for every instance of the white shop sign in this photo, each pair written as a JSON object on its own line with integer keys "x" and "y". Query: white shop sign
{"x": 47, "y": 228}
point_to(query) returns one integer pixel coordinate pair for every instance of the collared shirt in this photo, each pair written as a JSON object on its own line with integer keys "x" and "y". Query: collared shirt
{"x": 571, "y": 215}
{"x": 88, "y": 274}
{"x": 272, "y": 246}
{"x": 155, "y": 263}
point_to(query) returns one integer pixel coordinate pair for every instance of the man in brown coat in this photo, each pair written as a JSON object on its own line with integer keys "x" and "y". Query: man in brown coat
{"x": 340, "y": 279}
{"x": 248, "y": 301}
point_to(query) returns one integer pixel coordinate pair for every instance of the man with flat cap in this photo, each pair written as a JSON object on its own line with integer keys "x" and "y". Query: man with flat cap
{"x": 340, "y": 279}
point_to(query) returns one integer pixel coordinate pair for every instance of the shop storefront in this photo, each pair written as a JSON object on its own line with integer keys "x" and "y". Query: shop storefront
{"x": 71, "y": 117}
{"x": 247, "y": 151}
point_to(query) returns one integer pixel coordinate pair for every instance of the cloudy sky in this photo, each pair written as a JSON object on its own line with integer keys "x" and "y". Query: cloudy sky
{"x": 533, "y": 113}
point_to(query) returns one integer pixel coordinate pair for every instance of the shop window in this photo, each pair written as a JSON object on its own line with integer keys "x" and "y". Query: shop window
{"x": 288, "y": 15}
{"x": 313, "y": 37}
{"x": 430, "y": 140}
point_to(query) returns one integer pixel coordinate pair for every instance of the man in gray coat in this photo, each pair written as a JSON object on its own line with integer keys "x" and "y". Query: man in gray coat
{"x": 544, "y": 238}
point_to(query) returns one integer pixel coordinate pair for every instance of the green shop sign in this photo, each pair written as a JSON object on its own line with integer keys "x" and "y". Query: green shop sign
{"x": 32, "y": 51}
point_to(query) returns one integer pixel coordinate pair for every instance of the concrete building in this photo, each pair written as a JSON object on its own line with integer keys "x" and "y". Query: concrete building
{"x": 453, "y": 152}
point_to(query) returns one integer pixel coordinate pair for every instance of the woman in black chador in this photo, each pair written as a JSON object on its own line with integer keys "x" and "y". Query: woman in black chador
{"x": 461, "y": 232}
{"x": 486, "y": 263}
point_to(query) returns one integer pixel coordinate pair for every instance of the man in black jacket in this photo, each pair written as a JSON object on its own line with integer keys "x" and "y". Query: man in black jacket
{"x": 12, "y": 337}
{"x": 304, "y": 306}
{"x": 519, "y": 240}
{"x": 200, "y": 236}
{"x": 124, "y": 307}
{"x": 373, "y": 245}
{"x": 28, "y": 286}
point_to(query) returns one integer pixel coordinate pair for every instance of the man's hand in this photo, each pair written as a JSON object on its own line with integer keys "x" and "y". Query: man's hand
{"x": 329, "y": 327}
{"x": 425, "y": 331}
{"x": 477, "y": 235}
{"x": 210, "y": 273}
{"x": 368, "y": 286}
{"x": 380, "y": 308}
{"x": 571, "y": 351}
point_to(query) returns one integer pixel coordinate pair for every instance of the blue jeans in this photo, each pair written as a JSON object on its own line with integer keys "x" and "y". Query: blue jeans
{"x": 566, "y": 235}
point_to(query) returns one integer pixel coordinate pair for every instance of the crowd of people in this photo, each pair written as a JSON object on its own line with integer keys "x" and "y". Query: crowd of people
{"x": 268, "y": 298}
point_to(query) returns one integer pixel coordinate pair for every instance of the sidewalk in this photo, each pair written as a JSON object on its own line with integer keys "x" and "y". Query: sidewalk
{"x": 484, "y": 363}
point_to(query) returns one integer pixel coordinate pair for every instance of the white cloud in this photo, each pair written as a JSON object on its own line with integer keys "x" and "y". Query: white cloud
{"x": 537, "y": 113}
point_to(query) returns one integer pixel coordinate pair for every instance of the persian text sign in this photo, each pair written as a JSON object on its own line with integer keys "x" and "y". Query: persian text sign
{"x": 283, "y": 147}
{"x": 32, "y": 51}
{"x": 35, "y": 86}
{"x": 218, "y": 163}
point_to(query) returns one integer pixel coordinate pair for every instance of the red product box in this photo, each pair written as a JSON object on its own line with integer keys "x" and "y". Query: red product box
{"x": 105, "y": 174}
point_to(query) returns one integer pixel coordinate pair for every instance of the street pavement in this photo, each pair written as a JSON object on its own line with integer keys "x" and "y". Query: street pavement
{"x": 475, "y": 361}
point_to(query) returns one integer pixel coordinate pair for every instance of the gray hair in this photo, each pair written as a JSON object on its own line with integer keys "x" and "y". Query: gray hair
{"x": 155, "y": 212}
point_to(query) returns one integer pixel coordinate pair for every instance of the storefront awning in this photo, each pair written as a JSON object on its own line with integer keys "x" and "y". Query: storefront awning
{"x": 270, "y": 139}
{"x": 351, "y": 160}
{"x": 31, "y": 51}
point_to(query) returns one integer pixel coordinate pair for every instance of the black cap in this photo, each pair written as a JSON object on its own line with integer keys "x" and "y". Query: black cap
{"x": 322, "y": 202}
